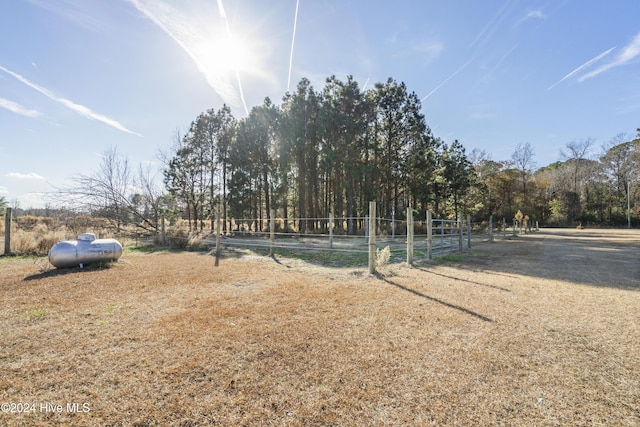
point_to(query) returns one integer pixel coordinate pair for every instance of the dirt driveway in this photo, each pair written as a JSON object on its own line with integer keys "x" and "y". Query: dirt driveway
{"x": 608, "y": 258}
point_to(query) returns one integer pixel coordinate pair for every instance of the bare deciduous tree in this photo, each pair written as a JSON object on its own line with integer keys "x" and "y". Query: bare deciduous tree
{"x": 576, "y": 155}
{"x": 577, "y": 152}
{"x": 115, "y": 193}
{"x": 523, "y": 161}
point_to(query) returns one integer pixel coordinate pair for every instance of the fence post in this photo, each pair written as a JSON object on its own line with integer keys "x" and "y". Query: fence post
{"x": 429, "y": 236}
{"x": 372, "y": 237}
{"x": 442, "y": 233}
{"x": 469, "y": 231}
{"x": 163, "y": 231}
{"x": 491, "y": 228}
{"x": 409, "y": 235}
{"x": 272, "y": 231}
{"x": 331, "y": 229}
{"x": 393, "y": 224}
{"x": 7, "y": 231}
{"x": 460, "y": 231}
{"x": 217, "y": 236}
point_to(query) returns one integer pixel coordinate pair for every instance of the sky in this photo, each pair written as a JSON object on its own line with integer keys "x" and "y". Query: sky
{"x": 78, "y": 77}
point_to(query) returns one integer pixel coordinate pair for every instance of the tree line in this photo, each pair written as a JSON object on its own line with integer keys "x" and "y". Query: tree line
{"x": 324, "y": 151}
{"x": 590, "y": 186}
{"x": 333, "y": 150}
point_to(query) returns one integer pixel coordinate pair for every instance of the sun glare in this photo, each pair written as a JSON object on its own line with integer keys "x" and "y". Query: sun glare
{"x": 225, "y": 55}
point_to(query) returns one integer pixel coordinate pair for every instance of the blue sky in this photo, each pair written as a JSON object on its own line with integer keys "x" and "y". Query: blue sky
{"x": 80, "y": 76}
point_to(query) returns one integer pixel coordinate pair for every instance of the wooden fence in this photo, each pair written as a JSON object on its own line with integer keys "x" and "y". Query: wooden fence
{"x": 440, "y": 236}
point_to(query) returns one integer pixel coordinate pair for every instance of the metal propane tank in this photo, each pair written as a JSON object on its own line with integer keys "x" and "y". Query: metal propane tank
{"x": 86, "y": 250}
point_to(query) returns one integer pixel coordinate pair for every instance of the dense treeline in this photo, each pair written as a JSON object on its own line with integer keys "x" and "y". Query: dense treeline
{"x": 335, "y": 150}
{"x": 595, "y": 186}
{"x": 319, "y": 152}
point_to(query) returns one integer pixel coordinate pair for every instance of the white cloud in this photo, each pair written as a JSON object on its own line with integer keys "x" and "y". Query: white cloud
{"x": 77, "y": 108}
{"x": 4, "y": 190}
{"x": 18, "y": 109}
{"x": 532, "y": 14}
{"x": 629, "y": 52}
{"x": 582, "y": 67}
{"x": 31, "y": 175}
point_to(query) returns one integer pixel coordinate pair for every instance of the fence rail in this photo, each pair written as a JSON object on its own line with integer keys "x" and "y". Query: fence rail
{"x": 436, "y": 236}
{"x": 406, "y": 239}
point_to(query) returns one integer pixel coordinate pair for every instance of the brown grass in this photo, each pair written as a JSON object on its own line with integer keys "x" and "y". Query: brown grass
{"x": 38, "y": 241}
{"x": 169, "y": 339}
{"x": 32, "y": 235}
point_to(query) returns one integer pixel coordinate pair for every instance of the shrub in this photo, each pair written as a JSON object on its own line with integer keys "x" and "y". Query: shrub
{"x": 195, "y": 242}
{"x": 46, "y": 242}
{"x": 178, "y": 238}
{"x": 40, "y": 229}
{"x": 22, "y": 242}
{"x": 37, "y": 241}
{"x": 383, "y": 256}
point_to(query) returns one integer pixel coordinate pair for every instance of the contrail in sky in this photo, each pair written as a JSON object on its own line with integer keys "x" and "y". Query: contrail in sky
{"x": 488, "y": 29}
{"x": 629, "y": 52}
{"x": 293, "y": 39}
{"x": 446, "y": 80}
{"x": 77, "y": 108}
{"x": 365, "y": 84}
{"x": 582, "y": 67}
{"x": 229, "y": 36}
{"x": 17, "y": 108}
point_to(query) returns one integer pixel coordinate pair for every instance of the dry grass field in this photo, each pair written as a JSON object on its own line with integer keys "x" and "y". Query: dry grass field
{"x": 539, "y": 330}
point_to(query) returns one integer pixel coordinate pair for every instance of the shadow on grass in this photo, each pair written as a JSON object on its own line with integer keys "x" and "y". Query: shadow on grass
{"x": 147, "y": 249}
{"x": 277, "y": 261}
{"x": 55, "y": 272}
{"x": 430, "y": 298}
{"x": 602, "y": 258}
{"x": 463, "y": 280}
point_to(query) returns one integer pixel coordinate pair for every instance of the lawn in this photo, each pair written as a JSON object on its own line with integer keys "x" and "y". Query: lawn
{"x": 537, "y": 330}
